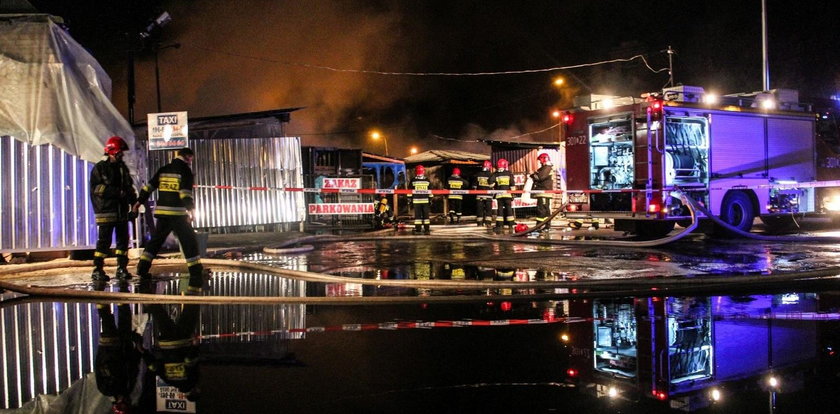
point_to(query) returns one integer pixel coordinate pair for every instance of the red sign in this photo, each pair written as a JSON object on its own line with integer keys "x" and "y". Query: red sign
{"x": 336, "y": 208}
{"x": 342, "y": 183}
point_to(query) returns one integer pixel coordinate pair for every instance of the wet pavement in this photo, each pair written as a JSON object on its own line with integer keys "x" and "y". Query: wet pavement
{"x": 521, "y": 349}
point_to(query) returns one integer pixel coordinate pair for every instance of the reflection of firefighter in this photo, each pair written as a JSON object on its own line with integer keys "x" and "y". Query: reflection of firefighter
{"x": 544, "y": 180}
{"x": 382, "y": 216}
{"x": 175, "y": 355}
{"x": 456, "y": 182}
{"x": 112, "y": 193}
{"x": 484, "y": 202}
{"x": 174, "y": 212}
{"x": 118, "y": 354}
{"x": 503, "y": 179}
{"x": 421, "y": 202}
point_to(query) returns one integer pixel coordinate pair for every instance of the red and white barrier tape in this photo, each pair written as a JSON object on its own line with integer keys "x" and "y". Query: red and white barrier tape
{"x": 786, "y": 186}
{"x": 392, "y": 326}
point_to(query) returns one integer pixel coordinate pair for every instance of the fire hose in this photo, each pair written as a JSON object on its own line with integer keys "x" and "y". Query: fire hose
{"x": 694, "y": 205}
{"x": 512, "y": 238}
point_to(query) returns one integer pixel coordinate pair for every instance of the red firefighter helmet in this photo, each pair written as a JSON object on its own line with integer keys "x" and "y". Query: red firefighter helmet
{"x": 543, "y": 158}
{"x": 502, "y": 163}
{"x": 521, "y": 227}
{"x": 456, "y": 171}
{"x": 115, "y": 145}
{"x": 419, "y": 170}
{"x": 488, "y": 165}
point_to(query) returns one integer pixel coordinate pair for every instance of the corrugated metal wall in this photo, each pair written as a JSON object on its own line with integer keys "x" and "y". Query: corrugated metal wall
{"x": 46, "y": 347}
{"x": 246, "y": 162}
{"x": 44, "y": 202}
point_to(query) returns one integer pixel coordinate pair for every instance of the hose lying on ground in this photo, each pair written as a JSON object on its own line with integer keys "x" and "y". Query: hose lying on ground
{"x": 600, "y": 242}
{"x": 693, "y": 204}
{"x": 623, "y": 286}
{"x": 539, "y": 226}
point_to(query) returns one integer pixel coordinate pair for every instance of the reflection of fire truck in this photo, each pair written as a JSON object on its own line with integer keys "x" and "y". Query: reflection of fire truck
{"x": 741, "y": 160}
{"x": 678, "y": 349}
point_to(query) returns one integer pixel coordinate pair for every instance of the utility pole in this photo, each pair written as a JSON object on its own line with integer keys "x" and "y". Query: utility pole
{"x": 764, "y": 57}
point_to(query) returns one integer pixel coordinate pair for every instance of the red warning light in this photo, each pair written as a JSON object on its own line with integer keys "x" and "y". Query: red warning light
{"x": 653, "y": 208}
{"x": 568, "y": 118}
{"x": 505, "y": 306}
{"x": 655, "y": 108}
{"x": 572, "y": 372}
{"x": 660, "y": 395}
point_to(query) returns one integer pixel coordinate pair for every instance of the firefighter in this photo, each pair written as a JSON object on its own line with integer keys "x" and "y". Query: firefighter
{"x": 421, "y": 202}
{"x": 382, "y": 215}
{"x": 484, "y": 202}
{"x": 544, "y": 180}
{"x": 174, "y": 212}
{"x": 112, "y": 194}
{"x": 503, "y": 179}
{"x": 456, "y": 182}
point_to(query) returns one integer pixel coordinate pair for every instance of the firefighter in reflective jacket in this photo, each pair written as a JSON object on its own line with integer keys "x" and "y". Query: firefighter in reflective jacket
{"x": 544, "y": 180}
{"x": 174, "y": 212}
{"x": 112, "y": 194}
{"x": 421, "y": 202}
{"x": 484, "y": 202}
{"x": 456, "y": 182}
{"x": 175, "y": 357}
{"x": 503, "y": 179}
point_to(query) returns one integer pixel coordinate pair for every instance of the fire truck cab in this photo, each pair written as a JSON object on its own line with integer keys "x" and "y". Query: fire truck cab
{"x": 741, "y": 156}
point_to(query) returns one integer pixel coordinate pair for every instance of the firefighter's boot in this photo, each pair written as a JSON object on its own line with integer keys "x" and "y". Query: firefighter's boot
{"x": 418, "y": 229}
{"x": 427, "y": 229}
{"x": 196, "y": 279}
{"x": 143, "y": 267}
{"x": 99, "y": 274}
{"x": 122, "y": 271}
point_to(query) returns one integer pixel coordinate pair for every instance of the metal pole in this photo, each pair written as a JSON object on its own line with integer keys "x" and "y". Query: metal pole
{"x": 765, "y": 59}
{"x": 670, "y": 66}
{"x": 131, "y": 87}
{"x": 157, "y": 76}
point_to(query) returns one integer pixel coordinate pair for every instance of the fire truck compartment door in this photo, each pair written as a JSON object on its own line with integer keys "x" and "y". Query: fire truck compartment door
{"x": 738, "y": 146}
{"x": 790, "y": 149}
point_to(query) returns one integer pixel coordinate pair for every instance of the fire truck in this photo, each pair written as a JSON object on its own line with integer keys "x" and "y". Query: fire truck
{"x": 742, "y": 156}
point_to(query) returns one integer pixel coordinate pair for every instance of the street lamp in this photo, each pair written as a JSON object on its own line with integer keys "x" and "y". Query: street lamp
{"x": 413, "y": 150}
{"x": 376, "y": 136}
{"x": 560, "y": 121}
{"x": 158, "y": 48}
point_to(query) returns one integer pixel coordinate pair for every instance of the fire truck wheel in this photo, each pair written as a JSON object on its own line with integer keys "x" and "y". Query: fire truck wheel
{"x": 737, "y": 210}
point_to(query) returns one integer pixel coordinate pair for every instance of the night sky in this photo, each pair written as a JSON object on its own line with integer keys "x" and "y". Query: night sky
{"x": 245, "y": 55}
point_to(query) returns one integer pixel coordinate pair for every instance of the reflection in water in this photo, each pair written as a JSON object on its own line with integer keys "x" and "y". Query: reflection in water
{"x": 118, "y": 355}
{"x": 175, "y": 353}
{"x": 642, "y": 354}
{"x": 685, "y": 350}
